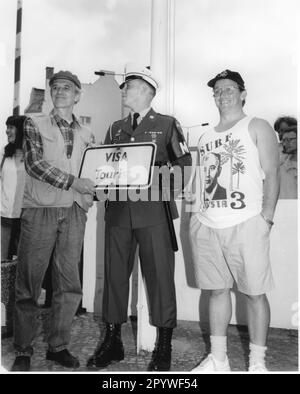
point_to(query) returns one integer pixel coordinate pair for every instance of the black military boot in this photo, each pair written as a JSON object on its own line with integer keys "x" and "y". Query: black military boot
{"x": 110, "y": 350}
{"x": 161, "y": 356}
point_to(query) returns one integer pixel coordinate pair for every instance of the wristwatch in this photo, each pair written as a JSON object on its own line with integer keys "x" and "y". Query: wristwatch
{"x": 269, "y": 221}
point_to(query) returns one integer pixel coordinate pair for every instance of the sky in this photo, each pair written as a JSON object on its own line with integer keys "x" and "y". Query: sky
{"x": 258, "y": 38}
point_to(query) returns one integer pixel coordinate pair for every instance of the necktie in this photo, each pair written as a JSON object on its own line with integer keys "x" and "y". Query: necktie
{"x": 135, "y": 123}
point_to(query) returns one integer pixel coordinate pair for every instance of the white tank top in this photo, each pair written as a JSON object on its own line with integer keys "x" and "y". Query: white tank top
{"x": 12, "y": 185}
{"x": 231, "y": 177}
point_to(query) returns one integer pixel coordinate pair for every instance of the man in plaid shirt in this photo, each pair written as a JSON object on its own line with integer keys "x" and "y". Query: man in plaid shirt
{"x": 53, "y": 220}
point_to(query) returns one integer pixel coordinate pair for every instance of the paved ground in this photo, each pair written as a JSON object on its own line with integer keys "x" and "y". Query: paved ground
{"x": 189, "y": 347}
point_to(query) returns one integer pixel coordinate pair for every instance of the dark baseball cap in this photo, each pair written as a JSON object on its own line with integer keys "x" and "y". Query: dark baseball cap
{"x": 228, "y": 74}
{"x": 65, "y": 75}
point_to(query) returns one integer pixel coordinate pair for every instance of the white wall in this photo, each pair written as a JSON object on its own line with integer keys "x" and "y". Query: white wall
{"x": 102, "y": 101}
{"x": 93, "y": 266}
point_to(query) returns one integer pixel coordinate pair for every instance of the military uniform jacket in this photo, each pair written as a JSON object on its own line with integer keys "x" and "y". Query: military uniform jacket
{"x": 166, "y": 133}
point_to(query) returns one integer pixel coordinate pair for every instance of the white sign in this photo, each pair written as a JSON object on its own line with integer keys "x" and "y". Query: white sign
{"x": 119, "y": 166}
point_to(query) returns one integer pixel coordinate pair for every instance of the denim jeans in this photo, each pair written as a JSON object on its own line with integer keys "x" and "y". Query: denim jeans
{"x": 44, "y": 230}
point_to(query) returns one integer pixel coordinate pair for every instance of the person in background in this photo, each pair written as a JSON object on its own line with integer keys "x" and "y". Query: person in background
{"x": 280, "y": 125}
{"x": 53, "y": 220}
{"x": 230, "y": 241}
{"x": 288, "y": 167}
{"x": 12, "y": 186}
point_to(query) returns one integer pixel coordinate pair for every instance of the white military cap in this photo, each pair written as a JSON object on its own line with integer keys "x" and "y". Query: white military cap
{"x": 135, "y": 71}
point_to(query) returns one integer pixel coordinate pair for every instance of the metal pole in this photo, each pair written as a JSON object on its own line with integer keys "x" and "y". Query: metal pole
{"x": 162, "y": 64}
{"x": 16, "y": 103}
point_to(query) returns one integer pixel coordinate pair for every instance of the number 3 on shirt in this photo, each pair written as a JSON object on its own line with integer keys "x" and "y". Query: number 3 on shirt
{"x": 238, "y": 200}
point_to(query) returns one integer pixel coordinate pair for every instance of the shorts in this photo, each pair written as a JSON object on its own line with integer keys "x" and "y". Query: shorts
{"x": 239, "y": 253}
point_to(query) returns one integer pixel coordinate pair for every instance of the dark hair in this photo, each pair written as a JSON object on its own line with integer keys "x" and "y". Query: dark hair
{"x": 18, "y": 122}
{"x": 289, "y": 120}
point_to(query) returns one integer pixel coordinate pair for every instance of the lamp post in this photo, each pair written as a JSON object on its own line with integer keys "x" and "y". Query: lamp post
{"x": 102, "y": 73}
{"x": 191, "y": 127}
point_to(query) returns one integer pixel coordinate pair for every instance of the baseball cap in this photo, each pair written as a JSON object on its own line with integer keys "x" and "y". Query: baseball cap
{"x": 135, "y": 71}
{"x": 65, "y": 75}
{"x": 228, "y": 74}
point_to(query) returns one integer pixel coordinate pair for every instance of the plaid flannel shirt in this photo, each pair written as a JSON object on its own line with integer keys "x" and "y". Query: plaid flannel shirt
{"x": 35, "y": 165}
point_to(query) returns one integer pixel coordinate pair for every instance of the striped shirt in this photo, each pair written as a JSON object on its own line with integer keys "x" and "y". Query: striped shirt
{"x": 35, "y": 165}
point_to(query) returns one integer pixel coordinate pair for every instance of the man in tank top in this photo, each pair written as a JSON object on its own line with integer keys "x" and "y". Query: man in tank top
{"x": 230, "y": 233}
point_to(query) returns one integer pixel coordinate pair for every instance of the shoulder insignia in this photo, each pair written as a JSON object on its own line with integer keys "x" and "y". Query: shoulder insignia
{"x": 178, "y": 126}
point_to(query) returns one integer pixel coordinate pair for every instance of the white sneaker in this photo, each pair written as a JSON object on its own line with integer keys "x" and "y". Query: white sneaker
{"x": 257, "y": 367}
{"x": 210, "y": 364}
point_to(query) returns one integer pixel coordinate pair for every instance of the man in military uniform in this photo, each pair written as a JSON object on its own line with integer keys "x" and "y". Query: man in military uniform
{"x": 143, "y": 222}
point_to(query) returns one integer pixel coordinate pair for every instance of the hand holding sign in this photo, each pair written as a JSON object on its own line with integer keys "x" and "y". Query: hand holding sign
{"x": 83, "y": 186}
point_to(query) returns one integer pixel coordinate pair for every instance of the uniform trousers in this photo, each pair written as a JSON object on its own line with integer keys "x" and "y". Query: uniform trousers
{"x": 157, "y": 265}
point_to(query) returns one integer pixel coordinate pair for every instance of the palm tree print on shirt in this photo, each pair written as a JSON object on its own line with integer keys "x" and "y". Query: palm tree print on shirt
{"x": 233, "y": 152}
{"x": 237, "y": 169}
